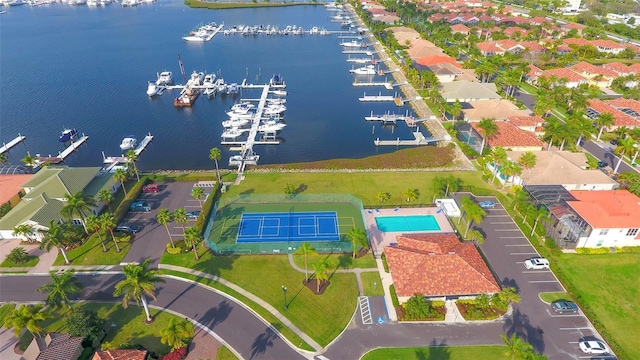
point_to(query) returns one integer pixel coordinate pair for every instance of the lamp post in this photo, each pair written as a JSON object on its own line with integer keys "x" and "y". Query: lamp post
{"x": 284, "y": 292}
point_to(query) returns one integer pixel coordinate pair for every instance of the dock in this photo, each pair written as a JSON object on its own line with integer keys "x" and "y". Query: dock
{"x": 359, "y": 51}
{"x": 376, "y": 98}
{"x": 419, "y": 140}
{"x": 40, "y": 160}
{"x": 393, "y": 118}
{"x": 387, "y": 85}
{"x": 112, "y": 161}
{"x": 7, "y": 146}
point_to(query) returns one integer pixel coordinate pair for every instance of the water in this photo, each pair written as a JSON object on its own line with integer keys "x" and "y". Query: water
{"x": 407, "y": 223}
{"x": 88, "y": 68}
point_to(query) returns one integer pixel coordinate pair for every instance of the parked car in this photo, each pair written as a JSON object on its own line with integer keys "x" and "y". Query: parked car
{"x": 602, "y": 164}
{"x": 594, "y": 347}
{"x": 487, "y": 204}
{"x": 140, "y": 206}
{"x": 563, "y": 306}
{"x": 151, "y": 188}
{"x": 193, "y": 215}
{"x": 614, "y": 142}
{"x": 128, "y": 228}
{"x": 536, "y": 263}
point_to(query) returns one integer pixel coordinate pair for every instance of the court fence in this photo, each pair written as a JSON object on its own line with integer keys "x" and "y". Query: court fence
{"x": 290, "y": 199}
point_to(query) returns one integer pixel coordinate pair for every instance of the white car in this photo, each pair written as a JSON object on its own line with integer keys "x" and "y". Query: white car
{"x": 594, "y": 347}
{"x": 536, "y": 263}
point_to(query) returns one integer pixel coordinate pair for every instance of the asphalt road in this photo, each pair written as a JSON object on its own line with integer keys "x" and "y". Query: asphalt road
{"x": 252, "y": 338}
{"x": 605, "y": 154}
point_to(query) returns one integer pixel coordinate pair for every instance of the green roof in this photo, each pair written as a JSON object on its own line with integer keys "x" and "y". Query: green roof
{"x": 40, "y": 209}
{"x": 101, "y": 181}
{"x": 56, "y": 182}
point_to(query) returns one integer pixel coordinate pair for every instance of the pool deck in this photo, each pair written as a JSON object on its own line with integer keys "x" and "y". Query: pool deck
{"x": 381, "y": 239}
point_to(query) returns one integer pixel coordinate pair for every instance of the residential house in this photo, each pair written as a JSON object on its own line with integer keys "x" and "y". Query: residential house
{"x": 466, "y": 91}
{"x": 11, "y": 188}
{"x": 533, "y": 124}
{"x": 597, "y": 75}
{"x": 54, "y": 346}
{"x": 438, "y": 266}
{"x": 568, "y": 78}
{"x": 628, "y": 106}
{"x": 45, "y": 192}
{"x": 460, "y": 29}
{"x": 500, "y": 47}
{"x": 498, "y": 109}
{"x": 511, "y": 137}
{"x": 437, "y": 59}
{"x": 596, "y": 107}
{"x": 120, "y": 354}
{"x": 445, "y": 72}
{"x": 608, "y": 46}
{"x": 515, "y": 31}
{"x": 534, "y": 73}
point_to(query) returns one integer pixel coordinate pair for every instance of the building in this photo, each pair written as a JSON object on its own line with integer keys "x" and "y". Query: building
{"x": 466, "y": 91}
{"x": 498, "y": 109}
{"x": 119, "y": 354}
{"x": 11, "y": 188}
{"x": 571, "y": 6}
{"x": 438, "y": 266}
{"x": 511, "y": 137}
{"x": 54, "y": 346}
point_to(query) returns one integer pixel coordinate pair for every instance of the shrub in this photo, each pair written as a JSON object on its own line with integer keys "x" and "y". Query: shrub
{"x": 394, "y": 296}
{"x": 628, "y": 249}
{"x": 123, "y": 238}
{"x": 593, "y": 251}
{"x": 177, "y": 354}
{"x": 384, "y": 263}
{"x": 173, "y": 250}
{"x": 468, "y": 150}
{"x": 18, "y": 255}
{"x": 418, "y": 308}
{"x": 207, "y": 206}
{"x": 4, "y": 209}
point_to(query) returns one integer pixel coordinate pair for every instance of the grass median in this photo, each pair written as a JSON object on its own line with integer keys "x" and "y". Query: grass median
{"x": 438, "y": 353}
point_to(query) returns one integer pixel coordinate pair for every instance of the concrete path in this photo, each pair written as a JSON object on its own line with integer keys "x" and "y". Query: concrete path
{"x": 46, "y": 261}
{"x": 386, "y": 282}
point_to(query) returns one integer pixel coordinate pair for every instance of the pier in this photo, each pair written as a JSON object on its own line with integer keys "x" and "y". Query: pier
{"x": 387, "y": 85}
{"x": 393, "y": 118}
{"x": 376, "y": 98}
{"x": 419, "y": 140}
{"x": 112, "y": 161}
{"x": 7, "y": 146}
{"x": 63, "y": 154}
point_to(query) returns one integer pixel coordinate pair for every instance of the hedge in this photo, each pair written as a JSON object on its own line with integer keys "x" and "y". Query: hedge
{"x": 592, "y": 251}
{"x": 132, "y": 195}
{"x": 207, "y": 206}
{"x": 394, "y": 296}
{"x": 628, "y": 249}
{"x": 384, "y": 263}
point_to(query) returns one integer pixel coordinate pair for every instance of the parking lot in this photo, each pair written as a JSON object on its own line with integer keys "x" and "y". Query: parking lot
{"x": 151, "y": 240}
{"x": 506, "y": 248}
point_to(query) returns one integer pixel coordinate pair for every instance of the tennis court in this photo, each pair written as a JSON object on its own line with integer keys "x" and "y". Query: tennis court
{"x": 289, "y": 226}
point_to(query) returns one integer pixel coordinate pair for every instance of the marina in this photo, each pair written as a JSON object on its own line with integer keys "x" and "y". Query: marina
{"x": 62, "y": 155}
{"x": 111, "y": 162}
{"x": 204, "y": 32}
{"x": 420, "y": 139}
{"x": 7, "y": 146}
{"x": 393, "y": 118}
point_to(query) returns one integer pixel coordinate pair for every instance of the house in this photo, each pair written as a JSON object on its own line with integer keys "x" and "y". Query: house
{"x": 515, "y": 31}
{"x": 11, "y": 188}
{"x": 596, "y": 107}
{"x": 460, "y": 29}
{"x": 437, "y": 59}
{"x": 445, "y": 72}
{"x": 628, "y": 106}
{"x": 511, "y": 137}
{"x": 534, "y": 124}
{"x": 498, "y": 109}
{"x": 54, "y": 346}
{"x": 45, "y": 192}
{"x": 534, "y": 73}
{"x": 570, "y": 26}
{"x": 118, "y": 354}
{"x": 608, "y": 46}
{"x": 619, "y": 68}
{"x": 438, "y": 266}
{"x": 598, "y": 76}
{"x": 564, "y": 168}
{"x": 568, "y": 78}
{"x": 465, "y": 91}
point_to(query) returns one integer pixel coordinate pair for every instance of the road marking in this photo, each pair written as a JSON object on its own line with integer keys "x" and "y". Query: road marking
{"x": 516, "y": 229}
{"x": 518, "y": 245}
{"x": 542, "y": 281}
{"x": 365, "y": 310}
{"x": 511, "y": 237}
{"x": 568, "y": 315}
{"x": 506, "y": 215}
{"x": 528, "y": 253}
{"x": 501, "y": 222}
{"x": 574, "y": 342}
{"x": 190, "y": 206}
{"x": 320, "y": 357}
{"x": 576, "y": 328}
{"x": 541, "y": 271}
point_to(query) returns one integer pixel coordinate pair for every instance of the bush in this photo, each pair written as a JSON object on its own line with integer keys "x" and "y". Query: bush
{"x": 418, "y": 308}
{"x": 18, "y": 255}
{"x": 384, "y": 263}
{"x": 177, "y": 354}
{"x": 207, "y": 206}
{"x": 394, "y": 296}
{"x": 4, "y": 209}
{"x": 123, "y": 238}
{"x": 628, "y": 249}
{"x": 468, "y": 150}
{"x": 173, "y": 250}
{"x": 593, "y": 251}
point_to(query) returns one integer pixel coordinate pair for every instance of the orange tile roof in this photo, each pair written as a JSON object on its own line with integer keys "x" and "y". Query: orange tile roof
{"x": 562, "y": 73}
{"x": 510, "y": 31}
{"x": 459, "y": 28}
{"x": 120, "y": 355}
{"x": 526, "y": 120}
{"x": 621, "y": 119}
{"x": 438, "y": 265}
{"x": 606, "y": 44}
{"x": 576, "y": 41}
{"x": 437, "y": 59}
{"x": 607, "y": 209}
{"x": 534, "y": 72}
{"x": 489, "y": 47}
{"x": 622, "y": 103}
{"x": 573, "y": 26}
{"x": 585, "y": 67}
{"x": 532, "y": 46}
{"x": 510, "y": 135}
{"x": 10, "y": 185}
{"x": 619, "y": 68}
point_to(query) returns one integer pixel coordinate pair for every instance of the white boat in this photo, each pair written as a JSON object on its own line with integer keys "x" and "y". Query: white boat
{"x": 128, "y": 143}
{"x": 231, "y": 133}
{"x": 271, "y": 126}
{"x": 235, "y": 122}
{"x": 278, "y": 92}
{"x": 153, "y": 89}
{"x": 366, "y": 70}
{"x": 276, "y": 82}
{"x": 364, "y": 60}
{"x": 164, "y": 78}
{"x": 353, "y": 43}
{"x": 196, "y": 79}
{"x": 221, "y": 86}
{"x": 274, "y": 109}
{"x": 242, "y": 108}
{"x": 249, "y": 159}
{"x": 232, "y": 89}
{"x": 129, "y": 3}
{"x": 236, "y": 115}
{"x": 209, "y": 85}
{"x": 276, "y": 101}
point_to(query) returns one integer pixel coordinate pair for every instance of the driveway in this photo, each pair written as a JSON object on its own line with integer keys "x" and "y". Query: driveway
{"x": 506, "y": 248}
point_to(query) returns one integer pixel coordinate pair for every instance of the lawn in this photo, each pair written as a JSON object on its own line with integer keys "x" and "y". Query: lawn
{"x": 550, "y": 297}
{"x": 322, "y": 317}
{"x": 438, "y": 353}
{"x": 609, "y": 294}
{"x": 371, "y": 283}
{"x": 91, "y": 252}
{"x": 225, "y": 354}
{"x": 341, "y": 261}
{"x": 30, "y": 262}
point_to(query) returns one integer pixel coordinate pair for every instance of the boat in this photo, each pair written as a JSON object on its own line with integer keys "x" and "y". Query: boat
{"x": 128, "y": 143}
{"x": 238, "y": 115}
{"x": 209, "y": 85}
{"x": 235, "y": 122}
{"x": 271, "y": 126}
{"x": 242, "y": 107}
{"x": 274, "y": 109}
{"x": 164, "y": 78}
{"x": 231, "y": 133}
{"x": 365, "y": 70}
{"x": 249, "y": 159}
{"x": 232, "y": 89}
{"x": 276, "y": 101}
{"x": 197, "y": 78}
{"x": 153, "y": 89}
{"x": 221, "y": 86}
{"x": 278, "y": 92}
{"x": 276, "y": 82}
{"x": 353, "y": 43}
{"x": 67, "y": 135}
{"x": 187, "y": 97}
{"x": 363, "y": 60}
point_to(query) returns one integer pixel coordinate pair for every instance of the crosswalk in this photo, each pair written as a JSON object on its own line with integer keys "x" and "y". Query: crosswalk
{"x": 365, "y": 310}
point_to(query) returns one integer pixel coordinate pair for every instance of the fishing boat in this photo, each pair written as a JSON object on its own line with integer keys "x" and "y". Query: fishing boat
{"x": 274, "y": 109}
{"x": 164, "y": 78}
{"x": 128, "y": 143}
{"x": 276, "y": 101}
{"x": 353, "y": 43}
{"x": 67, "y": 135}
{"x": 238, "y": 115}
{"x": 278, "y": 92}
{"x": 365, "y": 70}
{"x": 231, "y": 133}
{"x": 242, "y": 107}
{"x": 276, "y": 82}
{"x": 362, "y": 60}
{"x": 235, "y": 122}
{"x": 271, "y": 126}
{"x": 209, "y": 85}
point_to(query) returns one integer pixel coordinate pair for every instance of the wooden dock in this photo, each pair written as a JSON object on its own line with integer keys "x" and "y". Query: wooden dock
{"x": 7, "y": 146}
{"x": 387, "y": 85}
{"x": 112, "y": 161}
{"x": 40, "y": 160}
{"x": 393, "y": 118}
{"x": 376, "y": 98}
{"x": 419, "y": 140}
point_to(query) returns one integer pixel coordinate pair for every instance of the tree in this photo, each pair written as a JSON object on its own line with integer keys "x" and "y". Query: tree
{"x": 472, "y": 212}
{"x": 382, "y": 196}
{"x": 358, "y": 237}
{"x": 60, "y": 288}
{"x": 132, "y": 157}
{"x": 306, "y": 250}
{"x": 121, "y": 176}
{"x": 29, "y": 161}
{"x": 106, "y": 197}
{"x": 94, "y": 224}
{"x": 527, "y": 160}
{"x": 409, "y": 194}
{"x": 455, "y": 109}
{"x": 489, "y": 130}
{"x": 320, "y": 269}
{"x": 498, "y": 157}
{"x": 78, "y": 204}
{"x": 215, "y": 155}
{"x": 85, "y": 324}
{"x": 17, "y": 255}
{"x": 290, "y": 190}
{"x": 476, "y": 235}
{"x": 177, "y": 334}
{"x": 28, "y": 317}
{"x": 625, "y": 146}
{"x": 540, "y": 213}
{"x": 192, "y": 237}
{"x": 139, "y": 282}
{"x": 517, "y": 349}
{"x": 54, "y": 237}
{"x": 510, "y": 169}
{"x": 109, "y": 223}
{"x": 25, "y": 230}
{"x": 180, "y": 216}
{"x": 3, "y": 158}
{"x": 197, "y": 193}
{"x": 164, "y": 217}
{"x": 603, "y": 121}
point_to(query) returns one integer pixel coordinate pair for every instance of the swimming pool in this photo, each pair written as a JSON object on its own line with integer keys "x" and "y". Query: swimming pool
{"x": 407, "y": 223}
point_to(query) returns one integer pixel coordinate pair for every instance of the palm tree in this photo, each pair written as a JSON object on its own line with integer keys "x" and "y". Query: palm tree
{"x": 176, "y": 334}
{"x": 382, "y": 196}
{"x": 192, "y": 237}
{"x": 472, "y": 212}
{"x": 25, "y": 230}
{"x": 527, "y": 160}
{"x": 358, "y": 237}
{"x": 410, "y": 194}
{"x": 625, "y": 146}
{"x": 215, "y": 155}
{"x": 164, "y": 217}
{"x": 498, "y": 157}
{"x": 476, "y": 235}
{"x": 511, "y": 169}
{"x": 553, "y": 130}
{"x": 305, "y": 250}
{"x": 109, "y": 223}
{"x": 60, "y": 288}
{"x": 94, "y": 223}
{"x": 28, "y": 317}
{"x": 538, "y": 214}
{"x": 180, "y": 216}
{"x": 489, "y": 130}
{"x": 29, "y": 161}
{"x": 121, "y": 175}
{"x": 198, "y": 193}
{"x": 106, "y": 197}
{"x": 132, "y": 157}
{"x": 603, "y": 120}
{"x": 320, "y": 269}
{"x": 455, "y": 109}
{"x": 139, "y": 283}
{"x": 77, "y": 205}
{"x": 54, "y": 237}
{"x": 3, "y": 158}
{"x": 517, "y": 349}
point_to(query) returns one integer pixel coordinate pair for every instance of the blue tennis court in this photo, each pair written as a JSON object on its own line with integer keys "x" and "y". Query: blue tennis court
{"x": 294, "y": 226}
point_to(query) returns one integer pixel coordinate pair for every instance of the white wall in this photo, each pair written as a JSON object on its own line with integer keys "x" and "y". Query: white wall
{"x": 614, "y": 237}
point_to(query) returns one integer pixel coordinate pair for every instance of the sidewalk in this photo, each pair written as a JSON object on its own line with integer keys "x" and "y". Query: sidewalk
{"x": 386, "y": 282}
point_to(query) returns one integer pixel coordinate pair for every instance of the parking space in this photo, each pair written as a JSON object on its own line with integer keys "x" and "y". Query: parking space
{"x": 506, "y": 249}
{"x": 151, "y": 240}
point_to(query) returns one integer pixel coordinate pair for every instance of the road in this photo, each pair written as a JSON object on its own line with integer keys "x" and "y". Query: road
{"x": 604, "y": 153}
{"x": 248, "y": 335}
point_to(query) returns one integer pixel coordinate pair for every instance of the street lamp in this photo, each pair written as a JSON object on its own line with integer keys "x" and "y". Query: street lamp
{"x": 284, "y": 292}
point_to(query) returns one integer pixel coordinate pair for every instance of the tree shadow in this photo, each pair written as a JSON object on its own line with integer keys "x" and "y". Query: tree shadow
{"x": 262, "y": 342}
{"x": 435, "y": 351}
{"x": 301, "y": 188}
{"x": 344, "y": 261}
{"x": 508, "y": 282}
{"x": 518, "y": 324}
{"x": 216, "y": 315}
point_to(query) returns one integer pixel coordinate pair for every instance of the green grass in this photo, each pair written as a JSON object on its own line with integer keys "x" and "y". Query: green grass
{"x": 372, "y": 284}
{"x": 225, "y": 354}
{"x": 270, "y": 318}
{"x": 550, "y": 297}
{"x": 225, "y": 175}
{"x": 438, "y": 353}
{"x": 528, "y": 88}
{"x": 241, "y": 4}
{"x": 340, "y": 261}
{"x": 30, "y": 262}
{"x": 91, "y": 253}
{"x": 322, "y": 317}
{"x": 5, "y": 310}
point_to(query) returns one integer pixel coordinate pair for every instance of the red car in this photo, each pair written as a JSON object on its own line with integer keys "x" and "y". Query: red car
{"x": 151, "y": 188}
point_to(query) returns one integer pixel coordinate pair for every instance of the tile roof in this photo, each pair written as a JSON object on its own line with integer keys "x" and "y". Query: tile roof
{"x": 573, "y": 26}
{"x": 120, "y": 355}
{"x": 534, "y": 72}
{"x": 526, "y": 120}
{"x": 589, "y": 69}
{"x": 437, "y": 59}
{"x": 621, "y": 119}
{"x": 609, "y": 209}
{"x": 62, "y": 346}
{"x": 499, "y": 109}
{"x": 469, "y": 90}
{"x": 619, "y": 68}
{"x": 622, "y": 103}
{"x": 606, "y": 44}
{"x": 532, "y": 46}
{"x": 563, "y": 73}
{"x": 576, "y": 41}
{"x": 438, "y": 265}
{"x": 509, "y": 135}
{"x": 635, "y": 67}
{"x": 489, "y": 47}
{"x": 459, "y": 28}
{"x": 10, "y": 185}
{"x": 510, "y": 31}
